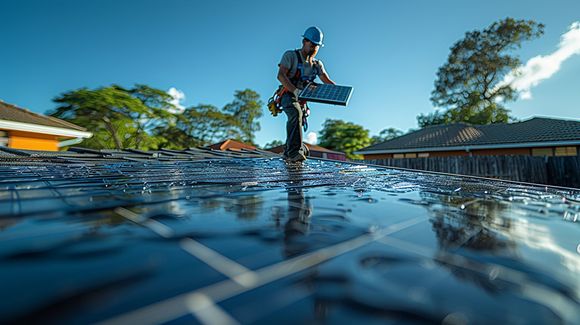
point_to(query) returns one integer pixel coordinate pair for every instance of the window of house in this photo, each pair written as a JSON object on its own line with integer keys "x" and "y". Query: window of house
{"x": 566, "y": 151}
{"x": 3, "y": 139}
{"x": 542, "y": 152}
{"x": 423, "y": 155}
{"x": 398, "y": 156}
{"x": 410, "y": 155}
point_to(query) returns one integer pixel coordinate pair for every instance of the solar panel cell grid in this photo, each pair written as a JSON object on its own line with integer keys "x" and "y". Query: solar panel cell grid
{"x": 327, "y": 94}
{"x": 257, "y": 240}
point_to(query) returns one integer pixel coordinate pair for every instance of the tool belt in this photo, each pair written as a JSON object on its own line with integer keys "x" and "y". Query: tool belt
{"x": 275, "y": 105}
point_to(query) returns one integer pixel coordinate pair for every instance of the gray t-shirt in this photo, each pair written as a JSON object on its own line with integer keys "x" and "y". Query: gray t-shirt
{"x": 290, "y": 61}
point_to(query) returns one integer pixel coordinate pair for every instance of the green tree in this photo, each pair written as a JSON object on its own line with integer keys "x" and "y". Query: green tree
{"x": 386, "y": 134}
{"x": 205, "y": 124}
{"x": 344, "y": 136}
{"x": 210, "y": 123}
{"x": 468, "y": 87}
{"x": 244, "y": 110}
{"x": 144, "y": 118}
{"x": 273, "y": 144}
{"x": 107, "y": 112}
{"x": 159, "y": 111}
{"x": 175, "y": 134}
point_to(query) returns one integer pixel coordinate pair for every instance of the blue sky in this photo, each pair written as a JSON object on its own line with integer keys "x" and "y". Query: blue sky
{"x": 389, "y": 51}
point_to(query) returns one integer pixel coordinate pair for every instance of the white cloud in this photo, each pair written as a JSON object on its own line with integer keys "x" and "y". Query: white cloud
{"x": 178, "y": 97}
{"x": 311, "y": 138}
{"x": 541, "y": 67}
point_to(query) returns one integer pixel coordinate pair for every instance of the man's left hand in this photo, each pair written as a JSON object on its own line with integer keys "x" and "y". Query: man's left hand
{"x": 296, "y": 92}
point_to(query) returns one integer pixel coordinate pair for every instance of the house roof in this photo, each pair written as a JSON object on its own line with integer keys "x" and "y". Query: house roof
{"x": 231, "y": 144}
{"x": 534, "y": 132}
{"x": 200, "y": 235}
{"x": 16, "y": 118}
{"x": 14, "y": 113}
{"x": 313, "y": 147}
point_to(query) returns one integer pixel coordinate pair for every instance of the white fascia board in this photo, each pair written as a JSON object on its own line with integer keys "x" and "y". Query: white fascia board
{"x": 70, "y": 142}
{"x": 478, "y": 147}
{"x": 43, "y": 129}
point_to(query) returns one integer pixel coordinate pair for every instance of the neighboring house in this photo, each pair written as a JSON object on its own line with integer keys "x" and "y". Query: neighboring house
{"x": 22, "y": 129}
{"x": 316, "y": 152}
{"x": 231, "y": 145}
{"x": 536, "y": 137}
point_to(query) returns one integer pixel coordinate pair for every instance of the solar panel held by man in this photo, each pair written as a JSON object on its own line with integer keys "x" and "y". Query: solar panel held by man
{"x": 297, "y": 71}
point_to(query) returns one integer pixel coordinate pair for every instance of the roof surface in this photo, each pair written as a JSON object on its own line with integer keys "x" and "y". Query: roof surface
{"x": 440, "y": 136}
{"x": 14, "y": 113}
{"x": 200, "y": 236}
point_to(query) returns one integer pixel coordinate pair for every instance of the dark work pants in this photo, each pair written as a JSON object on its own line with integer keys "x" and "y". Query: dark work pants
{"x": 293, "y": 111}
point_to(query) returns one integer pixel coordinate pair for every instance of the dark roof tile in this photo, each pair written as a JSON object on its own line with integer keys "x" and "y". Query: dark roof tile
{"x": 537, "y": 129}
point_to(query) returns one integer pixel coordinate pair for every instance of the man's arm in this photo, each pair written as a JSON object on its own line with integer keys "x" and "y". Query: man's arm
{"x": 326, "y": 79}
{"x": 284, "y": 80}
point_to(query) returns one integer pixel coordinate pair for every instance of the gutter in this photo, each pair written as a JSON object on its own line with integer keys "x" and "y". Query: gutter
{"x": 475, "y": 147}
{"x": 70, "y": 142}
{"x": 43, "y": 129}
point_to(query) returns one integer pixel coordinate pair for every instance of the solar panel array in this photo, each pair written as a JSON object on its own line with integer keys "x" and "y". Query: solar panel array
{"x": 200, "y": 236}
{"x": 327, "y": 94}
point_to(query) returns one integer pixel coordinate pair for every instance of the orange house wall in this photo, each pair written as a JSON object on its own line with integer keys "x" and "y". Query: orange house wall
{"x": 32, "y": 141}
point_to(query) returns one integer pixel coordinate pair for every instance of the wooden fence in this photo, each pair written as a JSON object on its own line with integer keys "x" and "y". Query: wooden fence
{"x": 561, "y": 171}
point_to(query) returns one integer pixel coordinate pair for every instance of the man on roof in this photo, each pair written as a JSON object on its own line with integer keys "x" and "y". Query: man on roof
{"x": 296, "y": 69}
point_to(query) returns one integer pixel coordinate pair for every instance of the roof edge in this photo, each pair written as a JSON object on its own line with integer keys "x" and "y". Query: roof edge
{"x": 542, "y": 117}
{"x": 476, "y": 147}
{"x": 37, "y": 128}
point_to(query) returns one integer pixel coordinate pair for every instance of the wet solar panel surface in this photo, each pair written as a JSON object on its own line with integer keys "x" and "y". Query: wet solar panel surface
{"x": 326, "y": 93}
{"x": 256, "y": 240}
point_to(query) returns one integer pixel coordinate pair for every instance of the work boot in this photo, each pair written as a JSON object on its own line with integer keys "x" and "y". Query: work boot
{"x": 296, "y": 158}
{"x": 305, "y": 151}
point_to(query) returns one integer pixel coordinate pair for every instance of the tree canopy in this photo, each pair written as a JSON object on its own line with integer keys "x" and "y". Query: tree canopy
{"x": 117, "y": 117}
{"x": 468, "y": 87}
{"x": 245, "y": 110}
{"x": 144, "y": 118}
{"x": 344, "y": 136}
{"x": 386, "y": 134}
{"x": 273, "y": 144}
